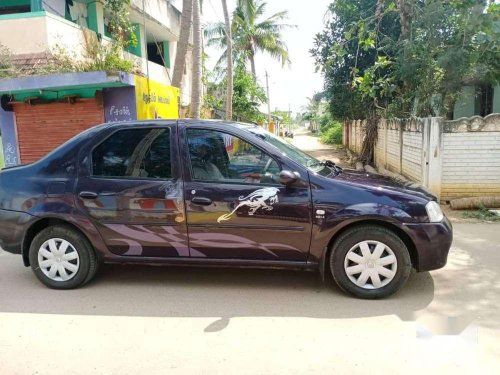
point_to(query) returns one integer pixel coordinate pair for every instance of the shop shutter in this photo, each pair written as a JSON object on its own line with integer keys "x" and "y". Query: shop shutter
{"x": 43, "y": 127}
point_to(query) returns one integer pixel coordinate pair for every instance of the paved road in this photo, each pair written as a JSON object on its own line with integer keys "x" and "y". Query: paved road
{"x": 311, "y": 144}
{"x": 153, "y": 320}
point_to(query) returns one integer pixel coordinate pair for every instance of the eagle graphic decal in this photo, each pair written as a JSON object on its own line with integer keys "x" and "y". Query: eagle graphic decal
{"x": 260, "y": 199}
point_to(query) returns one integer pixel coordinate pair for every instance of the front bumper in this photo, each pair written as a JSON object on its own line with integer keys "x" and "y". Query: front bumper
{"x": 12, "y": 227}
{"x": 432, "y": 242}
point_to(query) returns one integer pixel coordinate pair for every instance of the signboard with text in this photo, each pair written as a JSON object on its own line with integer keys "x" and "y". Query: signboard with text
{"x": 119, "y": 104}
{"x": 155, "y": 100}
{"x": 9, "y": 138}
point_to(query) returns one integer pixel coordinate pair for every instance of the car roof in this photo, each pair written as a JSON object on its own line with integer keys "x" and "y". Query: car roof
{"x": 239, "y": 125}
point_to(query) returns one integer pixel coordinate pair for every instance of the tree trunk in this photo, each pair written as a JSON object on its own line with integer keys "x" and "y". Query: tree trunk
{"x": 368, "y": 148}
{"x": 405, "y": 8}
{"x": 475, "y": 203}
{"x": 229, "y": 73}
{"x": 196, "y": 94}
{"x": 380, "y": 8}
{"x": 252, "y": 65}
{"x": 182, "y": 44}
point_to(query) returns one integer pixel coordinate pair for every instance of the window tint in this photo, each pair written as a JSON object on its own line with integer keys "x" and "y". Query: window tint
{"x": 132, "y": 153}
{"x": 218, "y": 156}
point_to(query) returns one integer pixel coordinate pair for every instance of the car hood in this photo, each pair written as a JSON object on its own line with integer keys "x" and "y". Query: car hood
{"x": 366, "y": 179}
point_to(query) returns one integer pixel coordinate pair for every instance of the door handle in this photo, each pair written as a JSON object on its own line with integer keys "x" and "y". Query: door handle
{"x": 88, "y": 195}
{"x": 201, "y": 201}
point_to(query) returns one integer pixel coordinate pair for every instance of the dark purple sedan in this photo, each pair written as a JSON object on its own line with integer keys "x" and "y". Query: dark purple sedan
{"x": 214, "y": 194}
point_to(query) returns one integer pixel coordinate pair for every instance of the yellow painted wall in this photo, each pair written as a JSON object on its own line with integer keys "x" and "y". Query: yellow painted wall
{"x": 155, "y": 100}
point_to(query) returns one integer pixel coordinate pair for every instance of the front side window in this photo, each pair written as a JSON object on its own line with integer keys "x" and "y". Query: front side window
{"x": 221, "y": 157}
{"x": 134, "y": 153}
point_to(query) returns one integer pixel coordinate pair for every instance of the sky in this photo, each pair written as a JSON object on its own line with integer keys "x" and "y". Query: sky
{"x": 289, "y": 85}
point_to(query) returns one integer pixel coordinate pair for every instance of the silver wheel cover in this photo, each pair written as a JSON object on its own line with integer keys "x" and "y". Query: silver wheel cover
{"x": 370, "y": 264}
{"x": 58, "y": 259}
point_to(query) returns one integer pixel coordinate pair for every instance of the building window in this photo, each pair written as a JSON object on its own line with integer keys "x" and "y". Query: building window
{"x": 158, "y": 52}
{"x": 12, "y": 7}
{"x": 484, "y": 100}
{"x": 77, "y": 12}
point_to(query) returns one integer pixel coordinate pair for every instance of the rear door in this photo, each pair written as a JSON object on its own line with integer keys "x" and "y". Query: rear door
{"x": 131, "y": 189}
{"x": 235, "y": 206}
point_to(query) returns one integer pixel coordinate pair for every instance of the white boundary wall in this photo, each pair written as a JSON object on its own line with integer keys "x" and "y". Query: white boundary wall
{"x": 453, "y": 159}
{"x": 471, "y": 157}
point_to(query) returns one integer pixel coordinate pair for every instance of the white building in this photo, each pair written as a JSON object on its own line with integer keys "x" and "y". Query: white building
{"x": 32, "y": 29}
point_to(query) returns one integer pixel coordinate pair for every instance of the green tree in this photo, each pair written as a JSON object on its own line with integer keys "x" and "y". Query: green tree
{"x": 405, "y": 57}
{"x": 345, "y": 50}
{"x": 285, "y": 117}
{"x": 248, "y": 96}
{"x": 252, "y": 33}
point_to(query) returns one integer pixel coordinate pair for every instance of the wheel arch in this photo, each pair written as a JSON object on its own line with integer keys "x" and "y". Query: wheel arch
{"x": 374, "y": 222}
{"x": 40, "y": 225}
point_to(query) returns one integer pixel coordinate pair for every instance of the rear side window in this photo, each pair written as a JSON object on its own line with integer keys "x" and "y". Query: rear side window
{"x": 134, "y": 153}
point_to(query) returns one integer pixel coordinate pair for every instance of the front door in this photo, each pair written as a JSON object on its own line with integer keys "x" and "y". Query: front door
{"x": 133, "y": 193}
{"x": 235, "y": 206}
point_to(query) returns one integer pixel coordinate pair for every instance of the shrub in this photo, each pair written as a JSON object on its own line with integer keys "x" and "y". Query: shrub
{"x": 332, "y": 135}
{"x": 7, "y": 69}
{"x": 482, "y": 214}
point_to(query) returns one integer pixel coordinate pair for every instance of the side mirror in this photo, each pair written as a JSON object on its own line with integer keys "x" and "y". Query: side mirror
{"x": 287, "y": 177}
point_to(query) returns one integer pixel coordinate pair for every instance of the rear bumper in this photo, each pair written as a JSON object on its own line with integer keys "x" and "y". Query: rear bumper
{"x": 12, "y": 227}
{"x": 432, "y": 242}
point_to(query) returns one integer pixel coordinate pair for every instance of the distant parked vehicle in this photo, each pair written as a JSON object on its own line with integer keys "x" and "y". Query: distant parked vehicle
{"x": 288, "y": 134}
{"x": 214, "y": 193}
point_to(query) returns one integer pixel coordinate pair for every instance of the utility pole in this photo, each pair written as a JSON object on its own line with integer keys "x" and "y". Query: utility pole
{"x": 290, "y": 113}
{"x": 268, "y": 101}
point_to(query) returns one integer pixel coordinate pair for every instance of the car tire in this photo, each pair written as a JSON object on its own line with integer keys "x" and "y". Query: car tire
{"x": 62, "y": 258}
{"x": 370, "y": 262}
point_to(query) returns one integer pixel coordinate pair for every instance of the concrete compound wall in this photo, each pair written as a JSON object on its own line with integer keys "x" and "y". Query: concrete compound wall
{"x": 471, "y": 157}
{"x": 355, "y": 135}
{"x": 400, "y": 147}
{"x": 453, "y": 159}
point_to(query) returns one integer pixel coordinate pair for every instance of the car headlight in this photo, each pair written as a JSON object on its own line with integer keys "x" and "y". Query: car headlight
{"x": 434, "y": 212}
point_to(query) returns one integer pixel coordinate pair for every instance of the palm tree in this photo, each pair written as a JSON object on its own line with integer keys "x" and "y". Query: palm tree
{"x": 196, "y": 85}
{"x": 182, "y": 44}
{"x": 251, "y": 33}
{"x": 229, "y": 72}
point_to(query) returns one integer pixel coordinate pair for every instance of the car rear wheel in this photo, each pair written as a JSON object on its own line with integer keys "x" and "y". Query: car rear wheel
{"x": 370, "y": 262}
{"x": 62, "y": 258}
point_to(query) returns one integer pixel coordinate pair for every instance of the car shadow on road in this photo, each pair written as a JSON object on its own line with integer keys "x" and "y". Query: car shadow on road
{"x": 136, "y": 290}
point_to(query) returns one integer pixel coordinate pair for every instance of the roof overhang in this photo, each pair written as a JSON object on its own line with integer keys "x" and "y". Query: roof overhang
{"x": 66, "y": 81}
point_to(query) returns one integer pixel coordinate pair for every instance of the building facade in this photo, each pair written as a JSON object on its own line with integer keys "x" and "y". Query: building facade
{"x": 39, "y": 112}
{"x": 477, "y": 100}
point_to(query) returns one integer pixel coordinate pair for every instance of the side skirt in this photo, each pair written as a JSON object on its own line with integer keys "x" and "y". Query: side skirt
{"x": 204, "y": 262}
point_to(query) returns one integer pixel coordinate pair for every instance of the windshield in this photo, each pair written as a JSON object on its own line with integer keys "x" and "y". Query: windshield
{"x": 292, "y": 152}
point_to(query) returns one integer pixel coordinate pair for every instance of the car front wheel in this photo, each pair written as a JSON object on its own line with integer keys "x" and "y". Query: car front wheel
{"x": 370, "y": 262}
{"x": 62, "y": 258}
